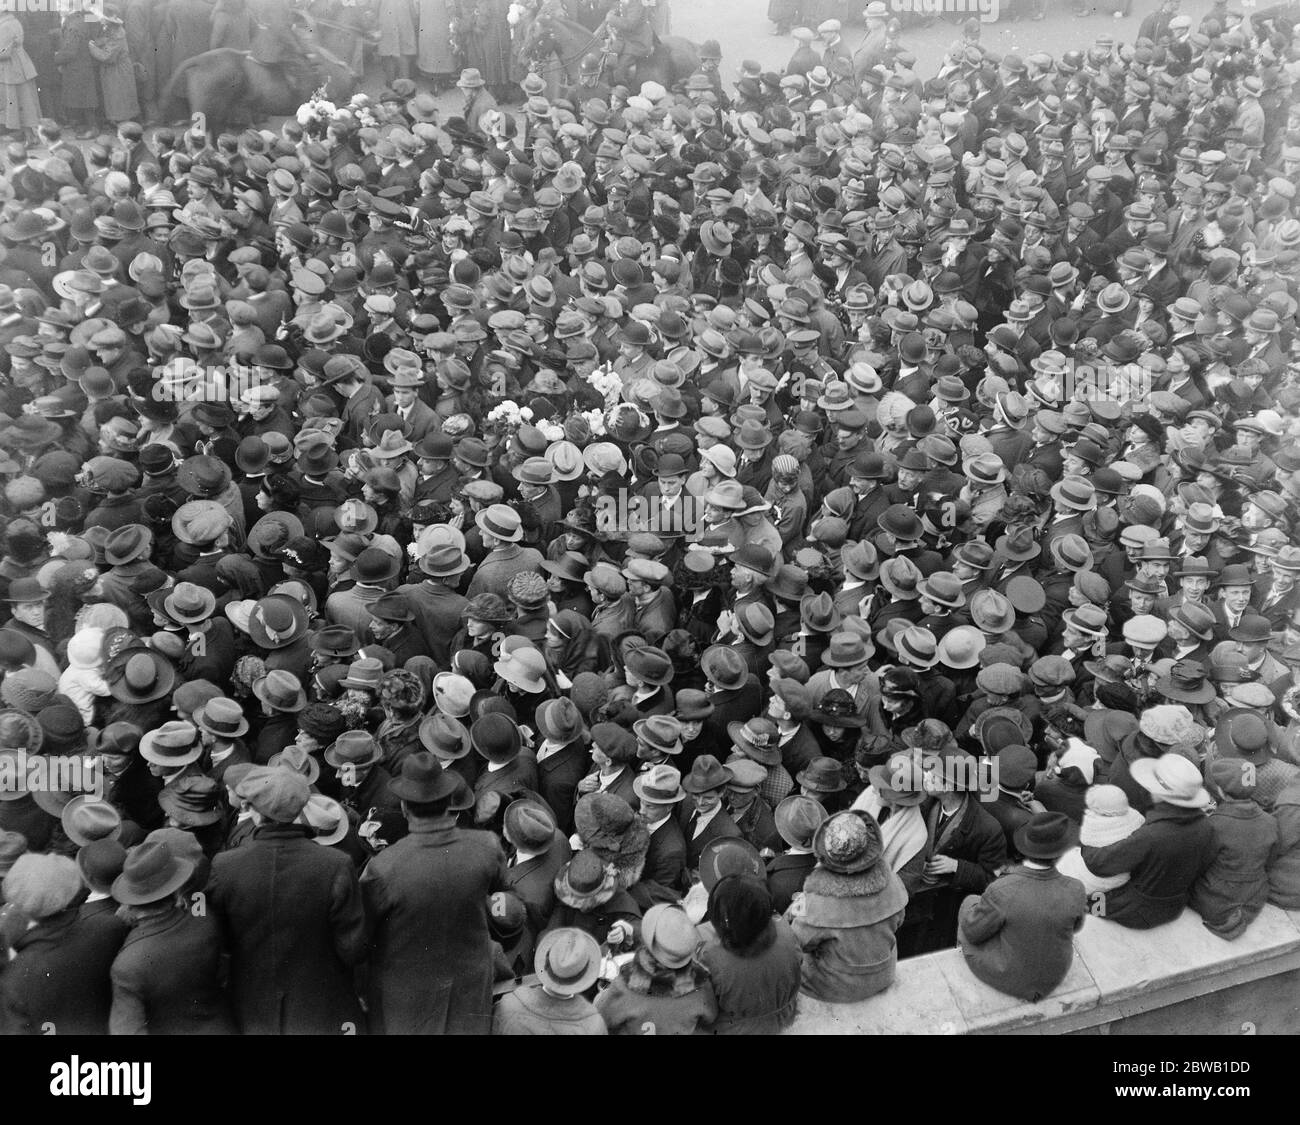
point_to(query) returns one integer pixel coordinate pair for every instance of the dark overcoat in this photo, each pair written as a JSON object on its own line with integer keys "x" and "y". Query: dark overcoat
{"x": 291, "y": 917}
{"x": 166, "y": 978}
{"x": 430, "y": 950}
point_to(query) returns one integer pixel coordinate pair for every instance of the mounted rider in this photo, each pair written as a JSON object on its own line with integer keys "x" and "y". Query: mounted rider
{"x": 629, "y": 37}
{"x": 281, "y": 40}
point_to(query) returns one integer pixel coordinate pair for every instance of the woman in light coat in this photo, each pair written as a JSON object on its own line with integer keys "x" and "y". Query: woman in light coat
{"x": 22, "y": 107}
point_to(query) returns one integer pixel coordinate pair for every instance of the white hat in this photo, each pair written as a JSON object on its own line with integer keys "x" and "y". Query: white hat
{"x": 721, "y": 457}
{"x": 1108, "y": 818}
{"x": 1173, "y": 779}
{"x": 1082, "y": 757}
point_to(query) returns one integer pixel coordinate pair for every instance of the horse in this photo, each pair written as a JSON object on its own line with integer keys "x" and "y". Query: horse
{"x": 228, "y": 87}
{"x": 548, "y": 37}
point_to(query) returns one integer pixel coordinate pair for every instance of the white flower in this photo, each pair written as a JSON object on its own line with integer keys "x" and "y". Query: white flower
{"x": 526, "y": 413}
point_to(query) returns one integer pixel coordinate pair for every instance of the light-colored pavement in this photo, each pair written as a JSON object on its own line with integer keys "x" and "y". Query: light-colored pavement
{"x": 744, "y": 32}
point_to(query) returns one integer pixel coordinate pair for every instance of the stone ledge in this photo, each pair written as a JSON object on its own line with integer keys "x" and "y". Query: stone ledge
{"x": 1116, "y": 973}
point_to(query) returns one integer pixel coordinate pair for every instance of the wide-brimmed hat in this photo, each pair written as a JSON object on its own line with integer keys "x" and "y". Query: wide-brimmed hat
{"x": 423, "y": 780}
{"x": 567, "y": 960}
{"x": 669, "y": 935}
{"x": 724, "y": 666}
{"x": 1046, "y": 836}
{"x": 1186, "y": 682}
{"x": 661, "y": 784}
{"x": 87, "y": 818}
{"x": 187, "y": 603}
{"x": 650, "y": 664}
{"x": 822, "y": 775}
{"x": 847, "y": 650}
{"x": 277, "y": 621}
{"x": 354, "y": 748}
{"x": 140, "y": 675}
{"x": 193, "y": 802}
{"x": 1173, "y": 779}
{"x": 758, "y": 739}
{"x": 152, "y": 872}
{"x": 901, "y": 578}
{"x": 900, "y": 781}
{"x": 280, "y": 690}
{"x": 496, "y": 737}
{"x": 172, "y": 745}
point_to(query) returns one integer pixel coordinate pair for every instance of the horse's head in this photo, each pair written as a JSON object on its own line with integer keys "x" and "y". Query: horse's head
{"x": 538, "y": 38}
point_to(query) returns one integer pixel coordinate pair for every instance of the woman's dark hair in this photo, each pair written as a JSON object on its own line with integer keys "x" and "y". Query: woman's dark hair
{"x": 740, "y": 907}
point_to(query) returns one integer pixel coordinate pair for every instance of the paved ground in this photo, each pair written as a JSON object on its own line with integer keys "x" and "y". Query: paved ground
{"x": 743, "y": 30}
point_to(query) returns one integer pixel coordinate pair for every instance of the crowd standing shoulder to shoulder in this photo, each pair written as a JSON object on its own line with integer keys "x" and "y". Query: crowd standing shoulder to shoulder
{"x": 644, "y": 562}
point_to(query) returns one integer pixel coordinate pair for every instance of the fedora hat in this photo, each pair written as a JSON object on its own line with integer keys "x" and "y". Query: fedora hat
{"x": 659, "y": 734}
{"x": 901, "y": 578}
{"x": 944, "y": 588}
{"x": 446, "y": 738}
{"x": 496, "y": 737}
{"x": 1172, "y": 779}
{"x": 567, "y": 960}
{"x": 961, "y": 647}
{"x": 280, "y": 690}
{"x": 87, "y": 818}
{"x": 151, "y": 873}
{"x": 900, "y": 781}
{"x": 1046, "y": 836}
{"x": 354, "y": 748}
{"x": 188, "y": 603}
{"x": 193, "y": 802}
{"x": 660, "y": 785}
{"x": 707, "y": 774}
{"x": 1018, "y": 544}
{"x": 669, "y": 935}
{"x": 724, "y": 666}
{"x": 847, "y": 650}
{"x": 560, "y": 721}
{"x": 222, "y": 718}
{"x": 1185, "y": 682}
{"x": 172, "y": 745}
{"x": 422, "y": 780}
{"x": 444, "y": 561}
{"x": 277, "y": 621}
{"x": 501, "y": 522}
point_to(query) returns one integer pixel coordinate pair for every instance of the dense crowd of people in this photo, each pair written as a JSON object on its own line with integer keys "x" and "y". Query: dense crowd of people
{"x": 656, "y": 557}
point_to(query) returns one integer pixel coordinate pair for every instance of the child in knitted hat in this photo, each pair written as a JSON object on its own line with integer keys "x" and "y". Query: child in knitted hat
{"x": 83, "y": 680}
{"x": 1107, "y": 819}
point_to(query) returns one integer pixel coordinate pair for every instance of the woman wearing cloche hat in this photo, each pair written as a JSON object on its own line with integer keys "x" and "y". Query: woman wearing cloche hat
{"x": 848, "y": 912}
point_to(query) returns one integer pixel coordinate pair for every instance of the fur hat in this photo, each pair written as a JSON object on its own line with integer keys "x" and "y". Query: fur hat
{"x": 608, "y": 826}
